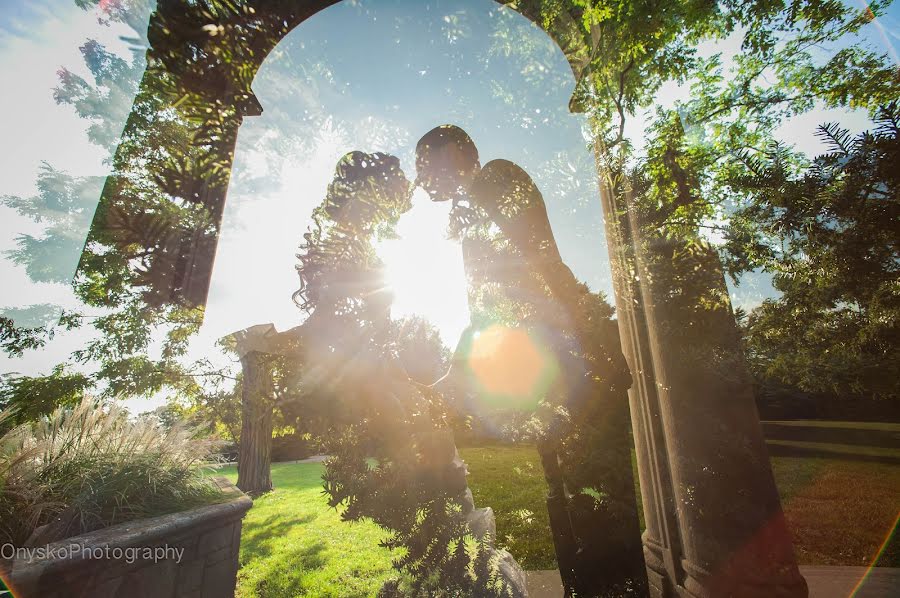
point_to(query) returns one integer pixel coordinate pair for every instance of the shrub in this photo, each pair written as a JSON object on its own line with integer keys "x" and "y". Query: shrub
{"x": 90, "y": 466}
{"x": 291, "y": 447}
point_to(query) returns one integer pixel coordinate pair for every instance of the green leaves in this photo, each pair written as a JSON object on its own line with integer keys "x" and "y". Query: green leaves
{"x": 27, "y": 398}
{"x": 338, "y": 264}
{"x": 64, "y": 206}
{"x": 37, "y": 325}
{"x": 835, "y": 328}
{"x": 713, "y": 169}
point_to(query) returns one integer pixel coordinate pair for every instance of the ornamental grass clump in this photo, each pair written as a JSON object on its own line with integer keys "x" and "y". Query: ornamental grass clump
{"x": 87, "y": 467}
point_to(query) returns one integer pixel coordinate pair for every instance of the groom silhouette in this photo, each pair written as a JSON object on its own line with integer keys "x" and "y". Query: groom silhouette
{"x": 597, "y": 542}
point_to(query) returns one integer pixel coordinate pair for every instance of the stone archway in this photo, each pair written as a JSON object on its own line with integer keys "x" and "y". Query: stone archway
{"x": 713, "y": 517}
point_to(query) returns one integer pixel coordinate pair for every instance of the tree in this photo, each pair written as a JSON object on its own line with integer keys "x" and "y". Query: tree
{"x": 64, "y": 205}
{"x": 393, "y": 459}
{"x": 26, "y": 398}
{"x": 420, "y": 349}
{"x": 825, "y": 236}
{"x": 132, "y": 259}
{"x": 698, "y": 179}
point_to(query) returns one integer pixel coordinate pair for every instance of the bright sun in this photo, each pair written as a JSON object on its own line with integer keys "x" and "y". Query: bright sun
{"x": 425, "y": 269}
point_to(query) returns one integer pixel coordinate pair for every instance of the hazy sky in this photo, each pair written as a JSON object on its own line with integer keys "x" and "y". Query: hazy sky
{"x": 369, "y": 75}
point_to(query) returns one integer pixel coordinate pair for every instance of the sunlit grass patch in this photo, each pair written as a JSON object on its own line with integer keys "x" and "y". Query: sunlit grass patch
{"x": 293, "y": 544}
{"x": 510, "y": 480}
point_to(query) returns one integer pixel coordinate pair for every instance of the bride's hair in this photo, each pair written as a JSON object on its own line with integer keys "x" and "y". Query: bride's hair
{"x": 368, "y": 191}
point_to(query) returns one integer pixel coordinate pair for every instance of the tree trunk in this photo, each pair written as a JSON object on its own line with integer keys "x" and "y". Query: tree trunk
{"x": 255, "y": 456}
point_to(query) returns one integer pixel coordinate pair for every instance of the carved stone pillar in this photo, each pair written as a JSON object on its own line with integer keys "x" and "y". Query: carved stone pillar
{"x": 660, "y": 536}
{"x": 257, "y": 403}
{"x": 714, "y": 524}
{"x": 734, "y": 538}
{"x": 161, "y": 207}
{"x": 255, "y": 453}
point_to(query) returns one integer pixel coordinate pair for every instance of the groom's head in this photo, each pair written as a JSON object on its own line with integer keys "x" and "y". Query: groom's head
{"x": 446, "y": 162}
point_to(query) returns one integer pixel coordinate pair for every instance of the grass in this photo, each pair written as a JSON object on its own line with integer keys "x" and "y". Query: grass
{"x": 839, "y": 511}
{"x": 293, "y": 544}
{"x": 509, "y": 479}
{"x": 830, "y": 448}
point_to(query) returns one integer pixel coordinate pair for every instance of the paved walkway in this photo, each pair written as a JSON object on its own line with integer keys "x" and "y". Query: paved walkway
{"x": 824, "y": 582}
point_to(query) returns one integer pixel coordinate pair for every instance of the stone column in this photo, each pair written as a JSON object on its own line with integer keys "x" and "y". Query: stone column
{"x": 660, "y": 536}
{"x": 255, "y": 453}
{"x": 254, "y": 347}
{"x": 714, "y": 524}
{"x": 733, "y": 536}
{"x": 176, "y": 152}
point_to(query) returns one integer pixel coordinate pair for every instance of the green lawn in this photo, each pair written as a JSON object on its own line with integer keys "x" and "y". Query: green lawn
{"x": 510, "y": 480}
{"x": 292, "y": 544}
{"x": 839, "y": 512}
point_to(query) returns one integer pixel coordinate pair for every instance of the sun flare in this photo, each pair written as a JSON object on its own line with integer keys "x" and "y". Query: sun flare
{"x": 424, "y": 269}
